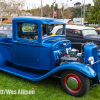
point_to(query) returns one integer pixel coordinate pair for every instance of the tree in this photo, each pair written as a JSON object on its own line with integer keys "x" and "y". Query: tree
{"x": 47, "y": 12}
{"x": 16, "y": 6}
{"x": 89, "y": 5}
{"x": 56, "y": 6}
{"x": 62, "y": 10}
{"x": 36, "y": 12}
{"x": 76, "y": 12}
{"x": 68, "y": 13}
{"x": 94, "y": 13}
{"x": 77, "y": 4}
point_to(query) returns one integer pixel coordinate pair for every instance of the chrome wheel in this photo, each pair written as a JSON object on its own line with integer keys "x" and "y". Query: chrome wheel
{"x": 72, "y": 83}
{"x": 75, "y": 83}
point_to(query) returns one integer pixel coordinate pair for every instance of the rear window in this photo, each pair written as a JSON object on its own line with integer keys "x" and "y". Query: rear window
{"x": 28, "y": 27}
{"x": 27, "y": 30}
{"x": 69, "y": 31}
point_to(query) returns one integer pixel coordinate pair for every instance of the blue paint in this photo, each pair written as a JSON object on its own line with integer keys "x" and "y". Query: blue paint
{"x": 92, "y": 50}
{"x": 37, "y": 77}
{"x": 41, "y": 20}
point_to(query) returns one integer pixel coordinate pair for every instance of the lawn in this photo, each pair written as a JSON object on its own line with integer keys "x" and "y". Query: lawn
{"x": 47, "y": 89}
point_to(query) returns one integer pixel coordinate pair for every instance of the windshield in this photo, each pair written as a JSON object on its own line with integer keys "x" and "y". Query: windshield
{"x": 89, "y": 32}
{"x": 52, "y": 29}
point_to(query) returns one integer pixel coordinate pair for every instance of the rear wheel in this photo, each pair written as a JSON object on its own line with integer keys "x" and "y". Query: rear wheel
{"x": 75, "y": 83}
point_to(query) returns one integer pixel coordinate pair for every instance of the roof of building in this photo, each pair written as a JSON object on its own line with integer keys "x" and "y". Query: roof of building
{"x": 9, "y": 20}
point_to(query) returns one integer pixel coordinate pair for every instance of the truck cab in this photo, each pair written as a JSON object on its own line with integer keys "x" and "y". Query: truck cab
{"x": 29, "y": 46}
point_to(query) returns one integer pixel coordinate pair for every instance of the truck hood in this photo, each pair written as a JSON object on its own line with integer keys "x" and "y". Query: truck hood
{"x": 92, "y": 37}
{"x": 50, "y": 40}
{"x": 53, "y": 40}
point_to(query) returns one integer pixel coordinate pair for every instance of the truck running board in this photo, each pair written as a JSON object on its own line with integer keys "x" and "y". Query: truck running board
{"x": 21, "y": 73}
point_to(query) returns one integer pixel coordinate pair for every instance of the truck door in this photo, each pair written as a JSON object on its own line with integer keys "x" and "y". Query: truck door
{"x": 26, "y": 46}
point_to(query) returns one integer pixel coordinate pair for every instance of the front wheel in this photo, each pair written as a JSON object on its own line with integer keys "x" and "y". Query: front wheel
{"x": 75, "y": 83}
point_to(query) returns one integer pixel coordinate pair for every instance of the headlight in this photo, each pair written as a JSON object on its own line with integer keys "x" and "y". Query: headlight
{"x": 97, "y": 43}
{"x": 91, "y": 60}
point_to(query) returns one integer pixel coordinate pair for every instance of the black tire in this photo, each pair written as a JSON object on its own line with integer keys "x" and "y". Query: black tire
{"x": 75, "y": 83}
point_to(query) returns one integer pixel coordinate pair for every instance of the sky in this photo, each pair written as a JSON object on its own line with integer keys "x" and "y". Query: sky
{"x": 37, "y": 3}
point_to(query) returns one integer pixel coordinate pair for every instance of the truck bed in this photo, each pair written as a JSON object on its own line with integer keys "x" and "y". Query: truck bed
{"x": 6, "y": 47}
{"x": 8, "y": 39}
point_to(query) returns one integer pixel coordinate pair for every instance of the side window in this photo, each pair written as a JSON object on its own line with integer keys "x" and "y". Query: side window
{"x": 77, "y": 32}
{"x": 44, "y": 30}
{"x": 27, "y": 30}
{"x": 59, "y": 32}
{"x": 69, "y": 31}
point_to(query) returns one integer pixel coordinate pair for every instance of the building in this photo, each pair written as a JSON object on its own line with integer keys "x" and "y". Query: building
{"x": 7, "y": 21}
{"x": 78, "y": 21}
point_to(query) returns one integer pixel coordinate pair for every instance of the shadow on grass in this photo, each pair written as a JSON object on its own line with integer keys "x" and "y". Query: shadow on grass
{"x": 45, "y": 82}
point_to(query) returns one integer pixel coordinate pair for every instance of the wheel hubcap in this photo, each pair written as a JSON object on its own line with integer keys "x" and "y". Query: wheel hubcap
{"x": 72, "y": 83}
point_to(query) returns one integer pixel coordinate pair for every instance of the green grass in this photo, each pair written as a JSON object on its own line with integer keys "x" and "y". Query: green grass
{"x": 46, "y": 89}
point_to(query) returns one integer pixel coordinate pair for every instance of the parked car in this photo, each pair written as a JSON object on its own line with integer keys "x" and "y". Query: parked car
{"x": 6, "y": 29}
{"x": 98, "y": 30}
{"x": 78, "y": 35}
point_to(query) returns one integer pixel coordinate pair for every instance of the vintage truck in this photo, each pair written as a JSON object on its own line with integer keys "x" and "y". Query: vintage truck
{"x": 30, "y": 54}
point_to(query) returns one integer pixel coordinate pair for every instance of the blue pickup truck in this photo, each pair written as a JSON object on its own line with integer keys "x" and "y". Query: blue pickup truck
{"x": 30, "y": 53}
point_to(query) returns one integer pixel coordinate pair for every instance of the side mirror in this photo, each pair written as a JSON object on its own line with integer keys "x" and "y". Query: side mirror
{"x": 31, "y": 40}
{"x": 49, "y": 33}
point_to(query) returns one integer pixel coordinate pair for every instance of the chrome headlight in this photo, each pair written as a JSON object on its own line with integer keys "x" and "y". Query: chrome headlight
{"x": 91, "y": 60}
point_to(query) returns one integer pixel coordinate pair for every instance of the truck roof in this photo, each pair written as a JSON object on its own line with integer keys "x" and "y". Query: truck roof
{"x": 42, "y": 20}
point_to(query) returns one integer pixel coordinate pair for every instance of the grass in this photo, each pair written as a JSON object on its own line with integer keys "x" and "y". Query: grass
{"x": 46, "y": 89}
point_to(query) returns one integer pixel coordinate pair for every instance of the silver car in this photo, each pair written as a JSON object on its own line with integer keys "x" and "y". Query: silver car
{"x": 6, "y": 29}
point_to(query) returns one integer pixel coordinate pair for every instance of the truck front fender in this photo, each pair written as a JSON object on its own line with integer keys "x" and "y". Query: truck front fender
{"x": 83, "y": 68}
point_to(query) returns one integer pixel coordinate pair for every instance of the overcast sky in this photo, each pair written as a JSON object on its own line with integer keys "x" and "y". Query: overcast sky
{"x": 31, "y": 3}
